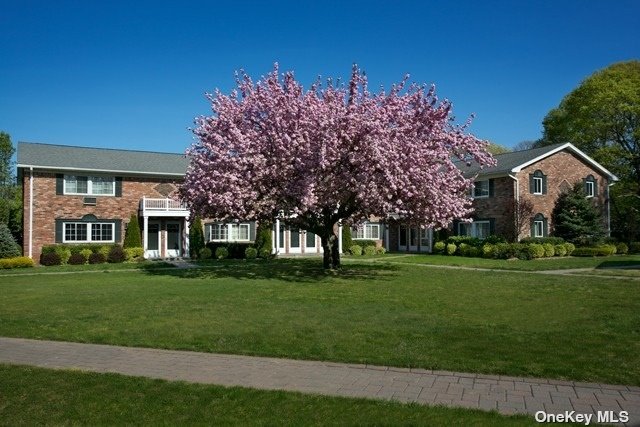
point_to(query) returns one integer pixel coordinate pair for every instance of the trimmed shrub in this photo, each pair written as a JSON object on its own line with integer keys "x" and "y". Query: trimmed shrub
{"x": 488, "y": 250}
{"x": 439, "y": 247}
{"x": 570, "y": 247}
{"x": 50, "y": 258}
{"x": 77, "y": 259}
{"x": 549, "y": 251}
{"x": 16, "y": 262}
{"x": 263, "y": 236}
{"x": 364, "y": 243}
{"x": 451, "y": 248}
{"x": 132, "y": 236}
{"x": 381, "y": 250}
{"x": 133, "y": 254}
{"x": 265, "y": 253}
{"x": 535, "y": 250}
{"x": 64, "y": 252}
{"x": 222, "y": 253}
{"x": 493, "y": 239}
{"x": 196, "y": 238}
{"x": 8, "y": 246}
{"x": 116, "y": 255}
{"x": 561, "y": 250}
{"x": 251, "y": 253}
{"x": 457, "y": 240}
{"x": 347, "y": 241}
{"x": 512, "y": 250}
{"x": 85, "y": 253}
{"x": 104, "y": 250}
{"x": 370, "y": 250}
{"x": 355, "y": 250}
{"x": 97, "y": 258}
{"x": 634, "y": 248}
{"x": 622, "y": 248}
{"x": 205, "y": 253}
{"x": 234, "y": 250}
{"x": 543, "y": 240}
{"x": 474, "y": 251}
{"x": 602, "y": 250}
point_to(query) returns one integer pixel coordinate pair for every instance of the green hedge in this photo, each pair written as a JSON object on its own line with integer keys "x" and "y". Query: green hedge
{"x": 602, "y": 250}
{"x": 16, "y": 262}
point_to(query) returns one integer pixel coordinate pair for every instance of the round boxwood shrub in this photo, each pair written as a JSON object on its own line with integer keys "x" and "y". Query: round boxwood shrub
{"x": 97, "y": 258}
{"x": 561, "y": 250}
{"x": 381, "y": 250}
{"x": 134, "y": 254}
{"x": 116, "y": 255}
{"x": 205, "y": 253}
{"x": 355, "y": 250}
{"x": 549, "y": 251}
{"x": 370, "y": 250}
{"x": 86, "y": 253}
{"x": 488, "y": 250}
{"x": 570, "y": 247}
{"x": 77, "y": 259}
{"x": 451, "y": 248}
{"x": 265, "y": 253}
{"x": 16, "y": 262}
{"x": 439, "y": 247}
{"x": 535, "y": 250}
{"x": 222, "y": 252}
{"x": 50, "y": 258}
{"x": 251, "y": 253}
{"x": 622, "y": 248}
{"x": 634, "y": 248}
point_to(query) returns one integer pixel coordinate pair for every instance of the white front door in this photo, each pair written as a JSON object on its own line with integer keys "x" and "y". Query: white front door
{"x": 294, "y": 241}
{"x": 153, "y": 240}
{"x": 414, "y": 234}
{"x": 310, "y": 243}
{"x": 174, "y": 239}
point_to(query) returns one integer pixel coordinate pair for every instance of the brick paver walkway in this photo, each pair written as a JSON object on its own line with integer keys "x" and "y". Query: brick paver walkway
{"x": 508, "y": 395}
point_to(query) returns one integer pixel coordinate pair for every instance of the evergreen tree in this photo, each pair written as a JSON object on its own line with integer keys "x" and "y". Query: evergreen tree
{"x": 132, "y": 237}
{"x": 196, "y": 238}
{"x": 8, "y": 246}
{"x": 263, "y": 235}
{"x": 575, "y": 218}
{"x": 347, "y": 242}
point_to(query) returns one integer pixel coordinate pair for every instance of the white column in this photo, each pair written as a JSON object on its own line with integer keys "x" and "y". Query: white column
{"x": 276, "y": 240}
{"x": 340, "y": 239}
{"x": 145, "y": 234}
{"x": 185, "y": 249}
{"x": 31, "y": 213}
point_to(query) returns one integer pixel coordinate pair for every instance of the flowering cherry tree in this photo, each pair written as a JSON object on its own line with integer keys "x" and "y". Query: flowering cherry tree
{"x": 329, "y": 154}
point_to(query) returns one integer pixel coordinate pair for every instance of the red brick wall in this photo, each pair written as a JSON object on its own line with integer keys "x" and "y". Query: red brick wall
{"x": 497, "y": 206}
{"x": 563, "y": 169}
{"x": 47, "y": 206}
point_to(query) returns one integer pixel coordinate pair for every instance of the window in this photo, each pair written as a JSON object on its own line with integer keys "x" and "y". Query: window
{"x": 88, "y": 232}
{"x": 89, "y": 185}
{"x": 539, "y": 226}
{"x": 229, "y": 232}
{"x": 481, "y": 189}
{"x": 367, "y": 231}
{"x": 538, "y": 183}
{"x": 590, "y": 186}
{"x": 480, "y": 229}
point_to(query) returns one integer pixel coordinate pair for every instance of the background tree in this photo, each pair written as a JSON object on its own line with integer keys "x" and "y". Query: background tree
{"x": 526, "y": 144}
{"x": 196, "y": 238}
{"x": 10, "y": 192}
{"x": 575, "y": 218}
{"x": 495, "y": 148}
{"x": 602, "y": 118}
{"x": 132, "y": 236}
{"x": 318, "y": 156}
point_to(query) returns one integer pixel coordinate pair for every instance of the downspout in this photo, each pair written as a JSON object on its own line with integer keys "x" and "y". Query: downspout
{"x": 517, "y": 192}
{"x": 31, "y": 212}
{"x": 609, "y": 208}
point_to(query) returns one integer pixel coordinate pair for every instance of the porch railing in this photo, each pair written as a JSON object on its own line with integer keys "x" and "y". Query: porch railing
{"x": 164, "y": 205}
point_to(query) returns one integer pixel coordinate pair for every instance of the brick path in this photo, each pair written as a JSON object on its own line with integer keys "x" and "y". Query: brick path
{"x": 508, "y": 395}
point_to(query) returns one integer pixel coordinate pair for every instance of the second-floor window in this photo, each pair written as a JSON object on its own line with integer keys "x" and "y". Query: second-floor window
{"x": 591, "y": 186}
{"x": 481, "y": 189}
{"x": 89, "y": 185}
{"x": 538, "y": 183}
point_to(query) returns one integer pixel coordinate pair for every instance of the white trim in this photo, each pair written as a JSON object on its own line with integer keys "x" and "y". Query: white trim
{"x": 535, "y": 228}
{"x": 109, "y": 171}
{"x": 473, "y": 189}
{"x": 536, "y": 179}
{"x": 591, "y": 185}
{"x": 474, "y": 228}
{"x": 30, "y": 212}
{"x": 363, "y": 227}
{"x": 575, "y": 150}
{"x": 229, "y": 227}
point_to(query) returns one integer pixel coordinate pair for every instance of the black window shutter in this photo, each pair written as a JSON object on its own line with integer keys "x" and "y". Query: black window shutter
{"x": 207, "y": 233}
{"x": 118, "y": 230}
{"x": 533, "y": 228}
{"x": 252, "y": 231}
{"x": 59, "y": 230}
{"x": 584, "y": 185}
{"x": 492, "y": 226}
{"x": 491, "y": 188}
{"x": 59, "y": 184}
{"x": 531, "y": 185}
{"x": 545, "y": 231}
{"x": 544, "y": 184}
{"x": 595, "y": 187}
{"x": 118, "y": 186}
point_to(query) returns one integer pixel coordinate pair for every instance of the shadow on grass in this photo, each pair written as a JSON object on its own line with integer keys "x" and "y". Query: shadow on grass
{"x": 623, "y": 265}
{"x": 289, "y": 270}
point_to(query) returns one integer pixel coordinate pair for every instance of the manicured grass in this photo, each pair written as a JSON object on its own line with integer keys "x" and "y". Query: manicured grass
{"x": 581, "y": 328}
{"x": 33, "y": 396}
{"x": 145, "y": 265}
{"x": 556, "y": 263}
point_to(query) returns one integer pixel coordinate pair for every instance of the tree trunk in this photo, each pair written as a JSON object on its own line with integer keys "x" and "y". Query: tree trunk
{"x": 330, "y": 248}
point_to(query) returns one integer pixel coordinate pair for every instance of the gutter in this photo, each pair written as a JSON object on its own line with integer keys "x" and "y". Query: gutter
{"x": 517, "y": 193}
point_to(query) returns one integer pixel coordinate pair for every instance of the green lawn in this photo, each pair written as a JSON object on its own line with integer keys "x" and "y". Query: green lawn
{"x": 559, "y": 263}
{"x": 33, "y": 396}
{"x": 580, "y": 328}
{"x": 146, "y": 265}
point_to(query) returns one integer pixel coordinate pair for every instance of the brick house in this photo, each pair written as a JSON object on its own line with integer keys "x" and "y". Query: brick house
{"x": 80, "y": 194}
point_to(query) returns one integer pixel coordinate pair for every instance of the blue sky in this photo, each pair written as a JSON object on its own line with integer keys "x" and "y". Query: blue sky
{"x": 121, "y": 75}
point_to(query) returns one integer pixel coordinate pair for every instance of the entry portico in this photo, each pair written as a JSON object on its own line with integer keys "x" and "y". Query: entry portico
{"x": 165, "y": 228}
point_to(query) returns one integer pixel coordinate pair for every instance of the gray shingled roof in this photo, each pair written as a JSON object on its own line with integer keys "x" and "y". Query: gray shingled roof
{"x": 67, "y": 157}
{"x": 506, "y": 161}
